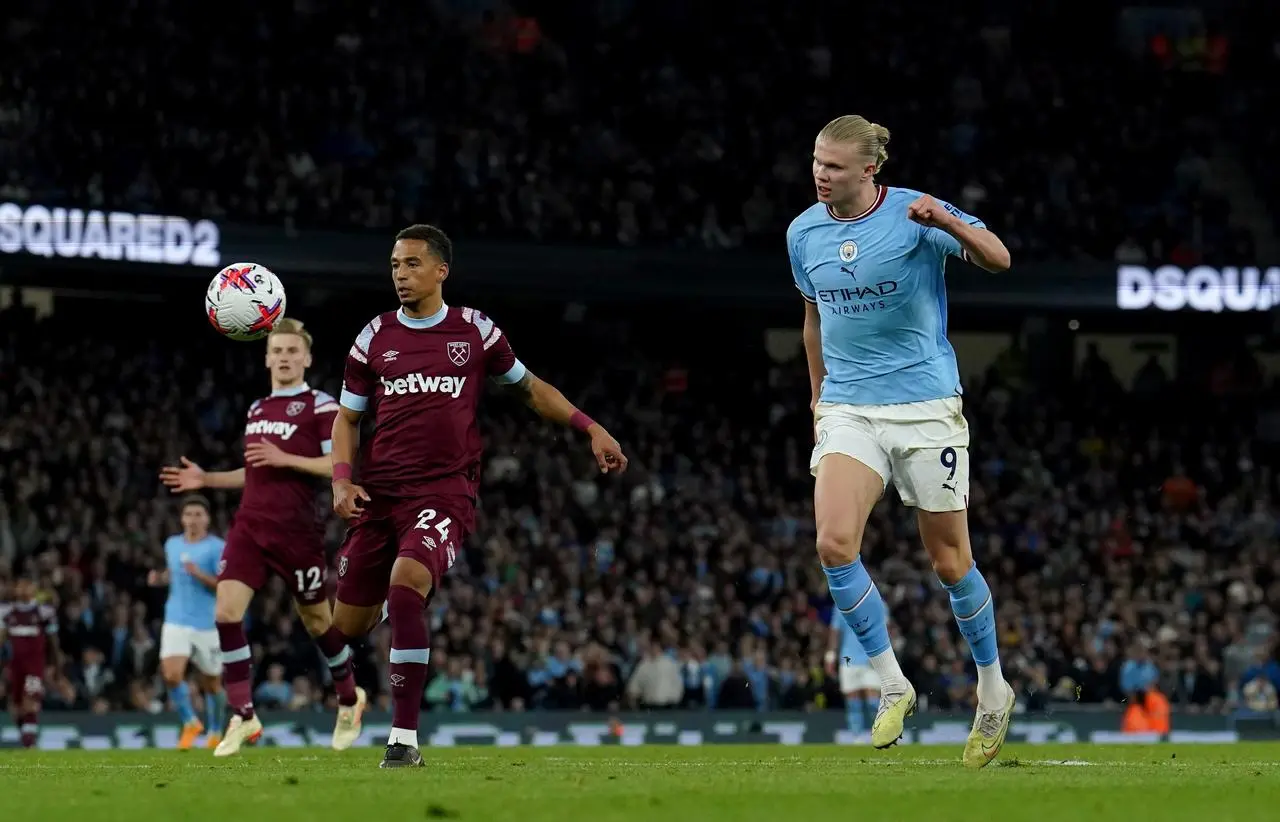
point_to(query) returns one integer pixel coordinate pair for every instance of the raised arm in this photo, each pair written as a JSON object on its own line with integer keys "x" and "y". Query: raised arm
{"x": 951, "y": 231}
{"x": 547, "y": 401}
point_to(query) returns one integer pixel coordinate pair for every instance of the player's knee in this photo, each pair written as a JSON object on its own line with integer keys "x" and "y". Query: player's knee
{"x": 232, "y": 601}
{"x": 838, "y": 545}
{"x": 315, "y": 621}
{"x": 227, "y": 612}
{"x": 951, "y": 564}
{"x": 353, "y": 622}
{"x": 171, "y": 674}
{"x": 946, "y": 539}
{"x": 411, "y": 574}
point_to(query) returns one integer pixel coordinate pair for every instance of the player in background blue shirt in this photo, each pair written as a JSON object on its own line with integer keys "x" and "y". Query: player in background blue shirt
{"x": 870, "y": 262}
{"x": 858, "y": 681}
{"x": 188, "y": 633}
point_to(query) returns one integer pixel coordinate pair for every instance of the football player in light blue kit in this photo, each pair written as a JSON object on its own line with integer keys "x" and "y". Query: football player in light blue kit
{"x": 189, "y": 633}
{"x": 869, "y": 260}
{"x": 858, "y": 681}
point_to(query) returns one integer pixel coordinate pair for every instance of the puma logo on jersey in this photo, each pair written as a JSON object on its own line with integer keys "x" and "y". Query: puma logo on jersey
{"x": 422, "y": 384}
{"x": 283, "y": 430}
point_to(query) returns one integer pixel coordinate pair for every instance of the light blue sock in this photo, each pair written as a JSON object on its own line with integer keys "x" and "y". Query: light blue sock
{"x": 855, "y": 716}
{"x": 181, "y": 697}
{"x": 214, "y": 704}
{"x": 873, "y": 707}
{"x": 860, "y": 604}
{"x": 975, "y": 612}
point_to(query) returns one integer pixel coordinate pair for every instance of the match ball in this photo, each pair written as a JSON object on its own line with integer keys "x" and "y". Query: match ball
{"x": 244, "y": 301}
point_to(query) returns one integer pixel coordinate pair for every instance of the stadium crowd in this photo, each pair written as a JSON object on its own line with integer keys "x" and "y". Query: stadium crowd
{"x": 1129, "y": 540}
{"x": 307, "y": 114}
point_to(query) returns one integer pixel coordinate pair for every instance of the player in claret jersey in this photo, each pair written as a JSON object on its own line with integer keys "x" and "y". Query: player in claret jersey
{"x": 277, "y": 530}
{"x": 31, "y": 627}
{"x": 420, "y": 370}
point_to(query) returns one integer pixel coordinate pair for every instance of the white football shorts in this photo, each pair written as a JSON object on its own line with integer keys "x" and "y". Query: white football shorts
{"x": 922, "y": 448}
{"x": 201, "y": 647}
{"x": 855, "y": 678}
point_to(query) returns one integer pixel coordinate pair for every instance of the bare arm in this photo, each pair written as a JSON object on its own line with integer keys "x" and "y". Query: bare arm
{"x": 545, "y": 399}
{"x": 348, "y": 498}
{"x": 321, "y": 466}
{"x": 346, "y": 439}
{"x": 206, "y": 579}
{"x": 259, "y": 454}
{"x": 813, "y": 350}
{"x": 187, "y": 476}
{"x": 981, "y": 247}
{"x": 224, "y": 479}
{"x": 833, "y": 645}
{"x": 550, "y": 404}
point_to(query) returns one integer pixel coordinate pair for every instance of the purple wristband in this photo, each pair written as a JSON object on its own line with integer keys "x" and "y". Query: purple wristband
{"x": 581, "y": 421}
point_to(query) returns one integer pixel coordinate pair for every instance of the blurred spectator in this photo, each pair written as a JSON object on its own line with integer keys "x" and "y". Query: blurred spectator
{"x": 656, "y": 682}
{"x": 1138, "y": 673}
{"x": 274, "y": 691}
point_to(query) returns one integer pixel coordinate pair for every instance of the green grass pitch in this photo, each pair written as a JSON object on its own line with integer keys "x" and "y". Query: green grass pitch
{"x": 1045, "y": 783}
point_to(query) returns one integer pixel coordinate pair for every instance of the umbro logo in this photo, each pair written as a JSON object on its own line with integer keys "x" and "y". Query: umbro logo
{"x": 390, "y": 356}
{"x": 397, "y": 680}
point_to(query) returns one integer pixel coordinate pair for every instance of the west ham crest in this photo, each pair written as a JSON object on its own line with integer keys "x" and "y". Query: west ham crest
{"x": 295, "y": 408}
{"x": 459, "y": 353}
{"x": 342, "y": 566}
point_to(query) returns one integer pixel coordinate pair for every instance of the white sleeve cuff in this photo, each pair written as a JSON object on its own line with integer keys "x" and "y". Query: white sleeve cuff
{"x": 514, "y": 375}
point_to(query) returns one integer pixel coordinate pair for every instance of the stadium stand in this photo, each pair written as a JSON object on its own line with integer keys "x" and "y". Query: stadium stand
{"x": 307, "y": 114}
{"x": 703, "y": 556}
{"x": 701, "y": 563}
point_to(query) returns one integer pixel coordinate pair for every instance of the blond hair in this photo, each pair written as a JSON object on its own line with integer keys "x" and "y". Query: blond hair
{"x": 869, "y": 138}
{"x": 288, "y": 325}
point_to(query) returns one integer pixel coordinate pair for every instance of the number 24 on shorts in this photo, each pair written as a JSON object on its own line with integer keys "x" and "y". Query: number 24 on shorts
{"x": 426, "y": 519}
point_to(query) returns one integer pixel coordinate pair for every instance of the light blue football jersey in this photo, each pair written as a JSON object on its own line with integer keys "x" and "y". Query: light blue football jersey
{"x": 190, "y": 604}
{"x": 878, "y": 282}
{"x": 851, "y": 652}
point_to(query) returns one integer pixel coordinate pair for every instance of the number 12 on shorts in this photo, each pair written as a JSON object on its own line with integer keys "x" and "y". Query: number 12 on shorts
{"x": 426, "y": 521}
{"x": 309, "y": 579}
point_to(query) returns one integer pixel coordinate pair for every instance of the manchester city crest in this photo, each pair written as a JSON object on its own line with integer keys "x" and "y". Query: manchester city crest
{"x": 848, "y": 251}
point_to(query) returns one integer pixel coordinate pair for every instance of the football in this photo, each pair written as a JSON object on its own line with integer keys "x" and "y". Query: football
{"x": 244, "y": 301}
